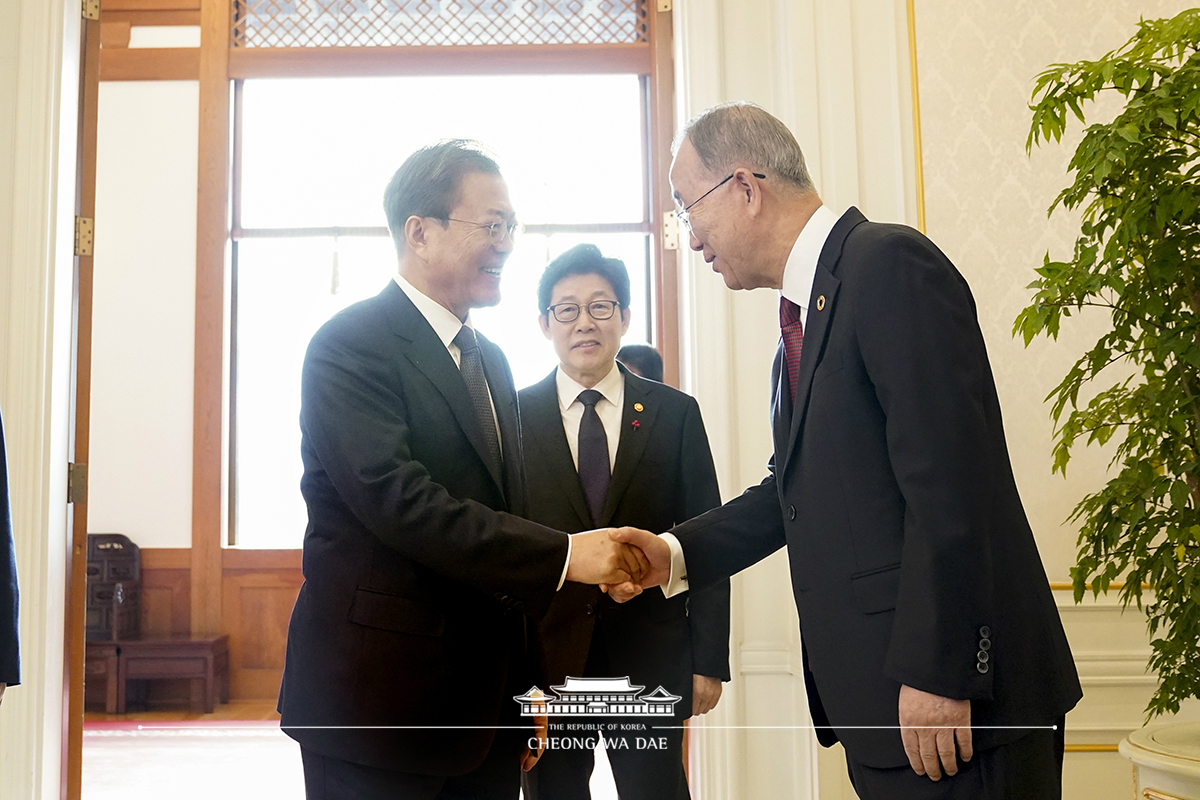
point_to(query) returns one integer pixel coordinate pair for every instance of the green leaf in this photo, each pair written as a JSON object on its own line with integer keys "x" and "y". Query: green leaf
{"x": 1134, "y": 186}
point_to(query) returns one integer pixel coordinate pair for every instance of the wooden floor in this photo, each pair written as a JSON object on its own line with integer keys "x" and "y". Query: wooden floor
{"x": 148, "y": 772}
{"x": 247, "y": 710}
{"x": 236, "y": 753}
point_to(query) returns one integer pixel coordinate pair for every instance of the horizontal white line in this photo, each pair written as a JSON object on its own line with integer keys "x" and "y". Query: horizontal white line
{"x": 859, "y": 727}
{"x": 253, "y": 731}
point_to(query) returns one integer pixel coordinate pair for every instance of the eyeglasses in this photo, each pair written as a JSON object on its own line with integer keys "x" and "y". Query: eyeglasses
{"x": 686, "y": 218}
{"x": 597, "y": 310}
{"x": 496, "y": 230}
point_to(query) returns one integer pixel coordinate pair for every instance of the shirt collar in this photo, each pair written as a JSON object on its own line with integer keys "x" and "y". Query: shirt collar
{"x": 801, "y": 268}
{"x": 611, "y": 386}
{"x": 440, "y": 318}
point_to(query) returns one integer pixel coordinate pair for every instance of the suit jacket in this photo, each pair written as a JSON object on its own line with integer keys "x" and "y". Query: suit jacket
{"x": 10, "y": 653}
{"x": 663, "y": 475}
{"x": 417, "y": 566}
{"x": 911, "y": 558}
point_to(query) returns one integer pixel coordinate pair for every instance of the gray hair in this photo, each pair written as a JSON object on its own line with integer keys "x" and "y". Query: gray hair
{"x": 742, "y": 133}
{"x": 429, "y": 183}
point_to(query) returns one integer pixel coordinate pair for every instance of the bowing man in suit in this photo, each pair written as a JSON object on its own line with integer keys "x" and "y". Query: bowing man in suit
{"x": 605, "y": 447}
{"x": 406, "y": 643}
{"x": 10, "y": 654}
{"x": 933, "y": 648}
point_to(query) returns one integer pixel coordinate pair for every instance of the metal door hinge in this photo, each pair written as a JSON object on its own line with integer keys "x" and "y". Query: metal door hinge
{"x": 91, "y": 9}
{"x": 670, "y": 231}
{"x": 84, "y": 227}
{"x": 76, "y": 483}
{"x": 664, "y": 5}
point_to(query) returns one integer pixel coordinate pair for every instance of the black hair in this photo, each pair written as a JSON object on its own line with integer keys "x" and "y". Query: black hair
{"x": 429, "y": 182}
{"x": 642, "y": 359}
{"x": 584, "y": 259}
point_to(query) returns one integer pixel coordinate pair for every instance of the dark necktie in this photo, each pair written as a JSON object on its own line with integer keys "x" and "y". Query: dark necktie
{"x": 593, "y": 455}
{"x": 793, "y": 341}
{"x": 471, "y": 365}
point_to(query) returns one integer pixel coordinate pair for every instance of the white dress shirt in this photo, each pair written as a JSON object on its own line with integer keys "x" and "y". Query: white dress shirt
{"x": 446, "y": 325}
{"x": 798, "y": 276}
{"x": 609, "y": 408}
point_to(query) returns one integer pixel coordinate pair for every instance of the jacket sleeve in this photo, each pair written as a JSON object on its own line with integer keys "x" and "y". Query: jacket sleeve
{"x": 354, "y": 416}
{"x": 708, "y": 608}
{"x": 726, "y": 540}
{"x": 924, "y": 354}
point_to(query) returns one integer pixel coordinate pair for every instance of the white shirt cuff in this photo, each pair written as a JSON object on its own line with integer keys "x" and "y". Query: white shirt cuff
{"x": 678, "y": 581}
{"x": 563, "y": 578}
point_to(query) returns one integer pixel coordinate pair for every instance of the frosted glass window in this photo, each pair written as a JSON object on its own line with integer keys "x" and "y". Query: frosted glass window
{"x": 313, "y": 158}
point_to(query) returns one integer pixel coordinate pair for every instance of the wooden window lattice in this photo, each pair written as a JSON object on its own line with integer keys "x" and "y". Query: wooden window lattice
{"x": 383, "y": 23}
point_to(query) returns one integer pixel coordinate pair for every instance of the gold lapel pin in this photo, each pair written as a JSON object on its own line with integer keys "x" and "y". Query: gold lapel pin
{"x": 821, "y": 303}
{"x": 638, "y": 407}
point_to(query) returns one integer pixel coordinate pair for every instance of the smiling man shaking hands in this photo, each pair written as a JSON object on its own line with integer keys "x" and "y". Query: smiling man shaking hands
{"x": 407, "y": 641}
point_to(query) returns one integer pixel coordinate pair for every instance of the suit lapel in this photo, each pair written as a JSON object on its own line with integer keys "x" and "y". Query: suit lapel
{"x": 422, "y": 347}
{"x": 631, "y": 443}
{"x": 543, "y": 427}
{"x": 821, "y": 303}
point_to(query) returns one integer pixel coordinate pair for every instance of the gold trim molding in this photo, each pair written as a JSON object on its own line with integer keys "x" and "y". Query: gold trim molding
{"x": 916, "y": 104}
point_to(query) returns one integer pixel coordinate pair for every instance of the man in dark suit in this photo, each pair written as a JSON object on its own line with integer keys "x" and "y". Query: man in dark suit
{"x": 642, "y": 360}
{"x": 605, "y": 447}
{"x": 406, "y": 644}
{"x": 932, "y": 643}
{"x": 10, "y": 653}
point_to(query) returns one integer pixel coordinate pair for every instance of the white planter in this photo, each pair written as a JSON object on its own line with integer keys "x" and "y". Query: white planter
{"x": 1166, "y": 761}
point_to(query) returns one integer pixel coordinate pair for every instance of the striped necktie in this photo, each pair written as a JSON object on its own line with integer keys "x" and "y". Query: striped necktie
{"x": 471, "y": 365}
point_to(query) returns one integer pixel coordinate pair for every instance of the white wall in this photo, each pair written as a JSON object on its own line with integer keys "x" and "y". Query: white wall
{"x": 143, "y": 326}
{"x": 38, "y": 105}
{"x": 986, "y": 204}
{"x": 837, "y": 73}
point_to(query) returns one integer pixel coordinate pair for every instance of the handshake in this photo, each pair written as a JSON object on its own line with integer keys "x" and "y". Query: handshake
{"x": 623, "y": 561}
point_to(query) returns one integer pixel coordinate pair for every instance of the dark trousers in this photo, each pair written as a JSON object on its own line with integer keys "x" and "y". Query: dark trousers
{"x": 640, "y": 774}
{"x": 640, "y": 771}
{"x": 1028, "y": 769}
{"x": 497, "y": 778}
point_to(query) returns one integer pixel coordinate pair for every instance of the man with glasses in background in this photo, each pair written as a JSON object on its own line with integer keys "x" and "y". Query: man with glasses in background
{"x": 407, "y": 641}
{"x": 605, "y": 447}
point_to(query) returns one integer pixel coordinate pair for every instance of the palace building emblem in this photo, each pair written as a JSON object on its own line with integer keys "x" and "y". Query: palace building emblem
{"x": 597, "y": 697}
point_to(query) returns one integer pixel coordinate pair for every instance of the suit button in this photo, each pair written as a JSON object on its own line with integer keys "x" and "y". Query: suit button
{"x": 982, "y": 657}
{"x": 985, "y": 632}
{"x": 983, "y": 668}
{"x": 589, "y": 610}
{"x": 985, "y": 644}
{"x": 791, "y": 512}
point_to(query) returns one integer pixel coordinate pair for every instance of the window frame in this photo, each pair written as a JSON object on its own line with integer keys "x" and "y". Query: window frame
{"x": 238, "y": 233}
{"x": 220, "y": 65}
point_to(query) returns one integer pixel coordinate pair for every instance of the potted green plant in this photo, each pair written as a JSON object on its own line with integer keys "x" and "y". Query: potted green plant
{"x": 1136, "y": 184}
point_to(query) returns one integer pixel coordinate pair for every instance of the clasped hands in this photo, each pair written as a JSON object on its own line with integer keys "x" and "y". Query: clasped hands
{"x": 622, "y": 561}
{"x": 935, "y": 731}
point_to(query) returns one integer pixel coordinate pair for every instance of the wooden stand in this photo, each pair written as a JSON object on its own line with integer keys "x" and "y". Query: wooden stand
{"x": 204, "y": 660}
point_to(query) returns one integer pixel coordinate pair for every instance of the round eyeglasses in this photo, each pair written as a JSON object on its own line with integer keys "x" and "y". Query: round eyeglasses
{"x": 597, "y": 310}
{"x": 684, "y": 215}
{"x": 496, "y": 230}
